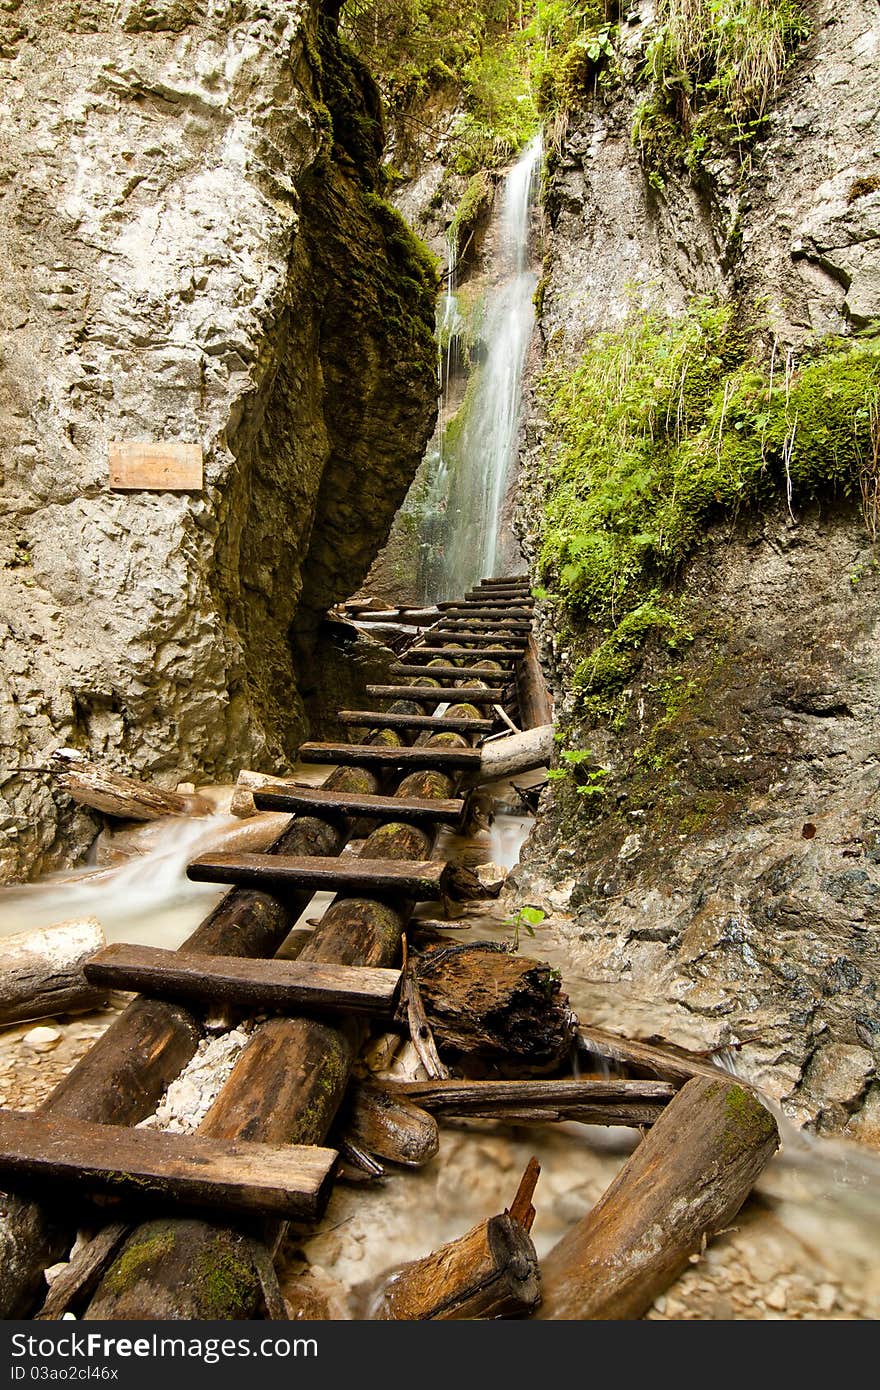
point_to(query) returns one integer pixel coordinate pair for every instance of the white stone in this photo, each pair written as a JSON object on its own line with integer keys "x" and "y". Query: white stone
{"x": 42, "y": 1039}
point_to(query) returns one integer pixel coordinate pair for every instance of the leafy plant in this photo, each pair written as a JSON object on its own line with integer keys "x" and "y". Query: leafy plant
{"x": 526, "y": 919}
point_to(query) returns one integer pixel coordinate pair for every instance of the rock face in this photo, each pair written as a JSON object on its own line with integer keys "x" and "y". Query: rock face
{"x": 724, "y": 891}
{"x": 195, "y": 249}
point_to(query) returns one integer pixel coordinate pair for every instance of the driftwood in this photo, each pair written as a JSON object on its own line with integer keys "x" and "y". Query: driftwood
{"x": 282, "y": 985}
{"x": 290, "y": 1180}
{"x": 41, "y": 971}
{"x": 390, "y": 1125}
{"x": 685, "y": 1182}
{"x": 491, "y": 1272}
{"x": 505, "y": 757}
{"x": 126, "y": 798}
{"x": 417, "y": 1022}
{"x": 484, "y": 1001}
{"x": 521, "y": 1102}
{"x": 667, "y": 1064}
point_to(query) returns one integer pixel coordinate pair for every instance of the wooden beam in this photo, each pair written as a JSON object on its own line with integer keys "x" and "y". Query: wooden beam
{"x": 289, "y": 1181}
{"x": 378, "y": 755}
{"x": 397, "y": 808}
{"x": 443, "y": 672}
{"x": 523, "y": 752}
{"x": 533, "y": 697}
{"x": 430, "y": 723}
{"x": 685, "y": 1182}
{"x": 452, "y": 653}
{"x": 281, "y": 986}
{"x": 502, "y": 612}
{"x": 439, "y": 694}
{"x": 407, "y": 617}
{"x": 419, "y": 880}
{"x": 665, "y": 1063}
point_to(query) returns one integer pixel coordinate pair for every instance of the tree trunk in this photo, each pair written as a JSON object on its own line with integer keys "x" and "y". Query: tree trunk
{"x": 41, "y": 972}
{"x": 515, "y": 753}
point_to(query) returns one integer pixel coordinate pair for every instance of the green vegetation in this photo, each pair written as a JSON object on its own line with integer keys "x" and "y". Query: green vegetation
{"x": 575, "y": 764}
{"x": 713, "y": 69}
{"x": 666, "y": 426}
{"x": 526, "y": 919}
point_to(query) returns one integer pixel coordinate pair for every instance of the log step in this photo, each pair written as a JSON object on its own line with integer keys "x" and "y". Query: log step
{"x": 451, "y": 652}
{"x": 421, "y": 880}
{"x": 502, "y": 612}
{"x": 506, "y": 579}
{"x": 448, "y": 673}
{"x": 291, "y": 1181}
{"x": 475, "y": 638}
{"x": 283, "y": 986}
{"x": 433, "y": 723}
{"x": 439, "y": 694}
{"x": 311, "y": 800}
{"x": 370, "y": 754}
{"x": 500, "y": 628}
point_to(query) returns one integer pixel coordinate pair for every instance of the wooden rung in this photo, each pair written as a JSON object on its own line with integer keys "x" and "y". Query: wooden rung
{"x": 421, "y": 880}
{"x": 439, "y": 694}
{"x": 290, "y": 1180}
{"x": 451, "y": 652}
{"x": 392, "y": 808}
{"x": 433, "y": 723}
{"x": 474, "y": 638}
{"x": 284, "y": 986}
{"x": 367, "y": 754}
{"x": 448, "y": 673}
{"x": 506, "y": 579}
{"x": 482, "y": 610}
{"x": 499, "y": 628}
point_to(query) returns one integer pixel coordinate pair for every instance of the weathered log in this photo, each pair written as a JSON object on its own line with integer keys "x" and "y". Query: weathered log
{"x": 505, "y": 757}
{"x": 483, "y": 1000}
{"x": 535, "y": 701}
{"x": 419, "y": 879}
{"x": 148, "y": 1163}
{"x": 431, "y": 694}
{"x": 126, "y": 798}
{"x": 349, "y": 804}
{"x": 406, "y": 617}
{"x": 633, "y": 1103}
{"x": 420, "y": 1031}
{"x": 685, "y": 1182}
{"x": 491, "y": 1272}
{"x": 667, "y": 1064}
{"x": 280, "y": 985}
{"x": 73, "y": 1285}
{"x": 423, "y": 723}
{"x": 389, "y": 1125}
{"x": 41, "y": 971}
{"x": 372, "y": 755}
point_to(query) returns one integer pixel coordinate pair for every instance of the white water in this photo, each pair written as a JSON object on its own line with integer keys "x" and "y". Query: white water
{"x": 471, "y": 473}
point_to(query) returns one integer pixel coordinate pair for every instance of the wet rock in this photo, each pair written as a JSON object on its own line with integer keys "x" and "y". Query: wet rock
{"x": 42, "y": 1039}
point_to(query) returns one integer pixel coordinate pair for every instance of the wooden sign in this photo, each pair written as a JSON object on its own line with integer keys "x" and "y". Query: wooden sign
{"x": 136, "y": 466}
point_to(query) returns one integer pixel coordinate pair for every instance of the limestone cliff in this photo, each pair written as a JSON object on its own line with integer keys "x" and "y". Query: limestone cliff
{"x": 195, "y": 248}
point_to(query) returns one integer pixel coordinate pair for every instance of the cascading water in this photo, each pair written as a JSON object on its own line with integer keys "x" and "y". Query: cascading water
{"x": 461, "y": 538}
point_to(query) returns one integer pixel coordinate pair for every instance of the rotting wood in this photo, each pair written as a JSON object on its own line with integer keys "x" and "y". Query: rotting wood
{"x": 634, "y": 1103}
{"x": 389, "y": 1125}
{"x": 113, "y": 1159}
{"x": 75, "y": 1283}
{"x": 515, "y": 753}
{"x": 521, "y": 1208}
{"x": 125, "y": 798}
{"x": 421, "y": 723}
{"x": 375, "y": 755}
{"x": 277, "y": 985}
{"x": 425, "y": 694}
{"x": 420, "y": 1031}
{"x": 41, "y": 971}
{"x": 398, "y": 808}
{"x": 416, "y": 879}
{"x": 491, "y": 1272}
{"x": 685, "y": 1182}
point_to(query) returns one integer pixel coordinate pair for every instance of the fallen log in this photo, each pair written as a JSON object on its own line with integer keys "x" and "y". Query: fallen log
{"x": 514, "y": 753}
{"x": 491, "y": 1272}
{"x": 535, "y": 701}
{"x": 667, "y": 1064}
{"x": 276, "y": 985}
{"x": 484, "y": 1001}
{"x": 685, "y": 1182}
{"x": 390, "y": 1125}
{"x": 149, "y": 1163}
{"x": 41, "y": 971}
{"x": 633, "y": 1103}
{"x": 126, "y": 798}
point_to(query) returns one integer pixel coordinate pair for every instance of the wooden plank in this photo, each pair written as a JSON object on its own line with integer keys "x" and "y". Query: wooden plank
{"x": 291, "y": 1180}
{"x": 393, "y": 808}
{"x": 471, "y": 638}
{"x": 501, "y": 612}
{"x": 450, "y": 653}
{"x": 633, "y": 1103}
{"x": 431, "y": 723}
{"x": 416, "y": 879}
{"x": 439, "y": 694}
{"x": 498, "y": 628}
{"x": 379, "y": 754}
{"x": 282, "y": 986}
{"x": 136, "y": 466}
{"x": 447, "y": 673}
{"x": 685, "y": 1182}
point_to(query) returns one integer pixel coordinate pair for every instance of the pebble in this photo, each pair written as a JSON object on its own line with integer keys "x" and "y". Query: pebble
{"x": 42, "y": 1039}
{"x": 826, "y": 1297}
{"x": 777, "y": 1297}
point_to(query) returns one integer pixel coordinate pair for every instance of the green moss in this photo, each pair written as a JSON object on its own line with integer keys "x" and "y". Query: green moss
{"x": 748, "y": 1123}
{"x": 228, "y": 1284}
{"x": 137, "y": 1257}
{"x": 475, "y": 204}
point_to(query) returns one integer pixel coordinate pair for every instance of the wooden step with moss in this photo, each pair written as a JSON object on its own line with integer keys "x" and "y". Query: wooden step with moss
{"x": 281, "y": 986}
{"x": 452, "y": 653}
{"x": 318, "y": 801}
{"x": 439, "y": 694}
{"x": 290, "y": 1180}
{"x": 419, "y": 880}
{"x": 380, "y": 755}
{"x": 439, "y": 672}
{"x": 418, "y": 723}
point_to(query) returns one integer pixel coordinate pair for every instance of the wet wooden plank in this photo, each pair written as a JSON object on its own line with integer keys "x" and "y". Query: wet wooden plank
{"x": 439, "y": 694}
{"x": 430, "y": 723}
{"x": 314, "y": 800}
{"x": 414, "y": 879}
{"x": 452, "y": 652}
{"x": 291, "y": 1180}
{"x": 378, "y": 754}
{"x": 282, "y": 986}
{"x": 447, "y": 673}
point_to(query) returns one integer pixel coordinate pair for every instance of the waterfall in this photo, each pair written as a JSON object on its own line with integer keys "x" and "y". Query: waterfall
{"x": 461, "y": 539}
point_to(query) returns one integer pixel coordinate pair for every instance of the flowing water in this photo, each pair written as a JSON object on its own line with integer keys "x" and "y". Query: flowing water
{"x": 470, "y": 470}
